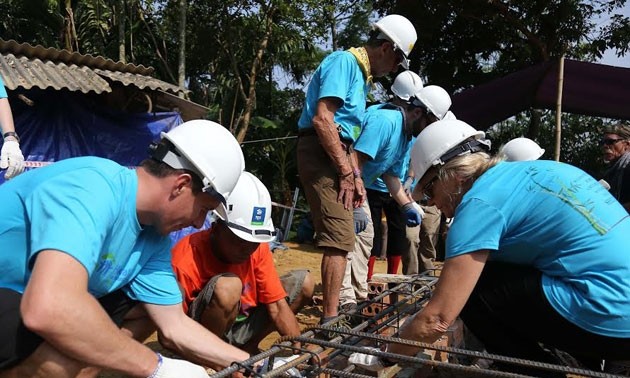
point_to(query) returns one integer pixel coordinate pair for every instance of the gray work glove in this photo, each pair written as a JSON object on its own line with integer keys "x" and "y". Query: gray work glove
{"x": 277, "y": 362}
{"x": 360, "y": 219}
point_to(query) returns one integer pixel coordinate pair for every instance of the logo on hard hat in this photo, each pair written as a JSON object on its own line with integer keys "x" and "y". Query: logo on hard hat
{"x": 258, "y": 216}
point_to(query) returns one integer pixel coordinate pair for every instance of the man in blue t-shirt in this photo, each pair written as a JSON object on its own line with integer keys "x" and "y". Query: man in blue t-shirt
{"x": 329, "y": 125}
{"x": 86, "y": 255}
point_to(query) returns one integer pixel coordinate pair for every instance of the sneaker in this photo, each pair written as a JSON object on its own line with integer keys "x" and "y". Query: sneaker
{"x": 350, "y": 310}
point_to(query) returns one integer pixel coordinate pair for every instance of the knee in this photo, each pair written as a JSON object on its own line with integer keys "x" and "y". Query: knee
{"x": 308, "y": 286}
{"x": 227, "y": 292}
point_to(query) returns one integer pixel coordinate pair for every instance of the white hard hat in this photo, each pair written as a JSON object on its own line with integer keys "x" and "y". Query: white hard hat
{"x": 249, "y": 210}
{"x": 436, "y": 99}
{"x": 209, "y": 150}
{"x": 400, "y": 31}
{"x": 443, "y": 140}
{"x": 449, "y": 116}
{"x": 521, "y": 149}
{"x": 406, "y": 85}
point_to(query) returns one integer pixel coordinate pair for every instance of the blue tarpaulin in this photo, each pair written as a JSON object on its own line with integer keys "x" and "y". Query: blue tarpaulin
{"x": 61, "y": 125}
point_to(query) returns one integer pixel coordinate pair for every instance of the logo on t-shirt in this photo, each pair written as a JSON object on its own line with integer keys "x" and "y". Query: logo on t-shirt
{"x": 258, "y": 217}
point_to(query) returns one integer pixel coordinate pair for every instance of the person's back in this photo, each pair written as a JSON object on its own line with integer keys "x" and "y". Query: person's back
{"x": 558, "y": 219}
{"x": 53, "y": 199}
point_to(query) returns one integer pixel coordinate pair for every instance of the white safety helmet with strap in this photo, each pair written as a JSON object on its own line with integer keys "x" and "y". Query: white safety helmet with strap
{"x": 521, "y": 149}
{"x": 435, "y": 99}
{"x": 443, "y": 140}
{"x": 249, "y": 210}
{"x": 400, "y": 31}
{"x": 207, "y": 149}
{"x": 406, "y": 85}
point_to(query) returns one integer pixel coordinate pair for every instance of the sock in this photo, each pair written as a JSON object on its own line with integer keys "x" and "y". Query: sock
{"x": 371, "y": 262}
{"x": 393, "y": 263}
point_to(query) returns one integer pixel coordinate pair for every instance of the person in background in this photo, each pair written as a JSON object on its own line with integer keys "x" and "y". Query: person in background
{"x": 11, "y": 157}
{"x": 421, "y": 249}
{"x": 615, "y": 144}
{"x": 546, "y": 266}
{"x": 381, "y": 148}
{"x": 85, "y": 259}
{"x": 521, "y": 149}
{"x": 227, "y": 274}
{"x": 328, "y": 126}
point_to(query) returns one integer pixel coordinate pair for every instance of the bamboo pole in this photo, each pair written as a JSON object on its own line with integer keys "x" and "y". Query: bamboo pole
{"x": 559, "y": 108}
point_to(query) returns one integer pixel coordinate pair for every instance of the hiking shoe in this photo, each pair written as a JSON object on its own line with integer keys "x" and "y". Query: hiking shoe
{"x": 350, "y": 310}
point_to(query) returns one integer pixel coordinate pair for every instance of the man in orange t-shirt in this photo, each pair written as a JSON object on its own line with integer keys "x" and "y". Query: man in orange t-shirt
{"x": 228, "y": 278}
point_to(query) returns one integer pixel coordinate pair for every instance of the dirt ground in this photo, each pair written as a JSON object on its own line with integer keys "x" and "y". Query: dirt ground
{"x": 297, "y": 256}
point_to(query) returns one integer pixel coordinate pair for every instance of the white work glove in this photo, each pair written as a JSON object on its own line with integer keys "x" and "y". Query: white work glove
{"x": 279, "y": 361}
{"x": 11, "y": 159}
{"x": 173, "y": 368}
{"x": 407, "y": 185}
{"x": 367, "y": 361}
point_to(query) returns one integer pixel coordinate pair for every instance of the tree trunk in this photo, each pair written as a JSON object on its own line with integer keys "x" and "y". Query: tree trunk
{"x": 121, "y": 31}
{"x": 181, "y": 67}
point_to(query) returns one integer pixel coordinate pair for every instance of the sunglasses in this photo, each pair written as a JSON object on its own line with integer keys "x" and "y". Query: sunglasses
{"x": 609, "y": 141}
{"x": 427, "y": 190}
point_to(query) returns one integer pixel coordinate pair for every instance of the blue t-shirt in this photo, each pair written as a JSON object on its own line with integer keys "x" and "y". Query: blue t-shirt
{"x": 85, "y": 207}
{"x": 339, "y": 76}
{"x": 558, "y": 219}
{"x": 3, "y": 90}
{"x": 380, "y": 185}
{"x": 384, "y": 141}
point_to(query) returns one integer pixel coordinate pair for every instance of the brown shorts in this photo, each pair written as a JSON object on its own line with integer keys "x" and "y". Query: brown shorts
{"x": 333, "y": 224}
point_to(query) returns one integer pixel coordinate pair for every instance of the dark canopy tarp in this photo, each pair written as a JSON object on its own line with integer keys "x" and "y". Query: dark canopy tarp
{"x": 589, "y": 89}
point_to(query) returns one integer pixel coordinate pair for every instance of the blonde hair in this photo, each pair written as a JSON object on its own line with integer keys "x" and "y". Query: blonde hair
{"x": 469, "y": 166}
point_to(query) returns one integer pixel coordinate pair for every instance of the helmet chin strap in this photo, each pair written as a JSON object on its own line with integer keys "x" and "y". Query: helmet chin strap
{"x": 470, "y": 146}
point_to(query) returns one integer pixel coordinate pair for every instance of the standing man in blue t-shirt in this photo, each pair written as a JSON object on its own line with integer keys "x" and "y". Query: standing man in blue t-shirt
{"x": 86, "y": 255}
{"x": 11, "y": 157}
{"x": 329, "y": 125}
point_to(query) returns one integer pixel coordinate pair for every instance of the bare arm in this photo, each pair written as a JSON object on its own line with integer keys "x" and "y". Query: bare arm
{"x": 457, "y": 280}
{"x": 326, "y": 129}
{"x": 57, "y": 306}
{"x": 396, "y": 190}
{"x": 190, "y": 339}
{"x": 6, "y": 116}
{"x": 283, "y": 318}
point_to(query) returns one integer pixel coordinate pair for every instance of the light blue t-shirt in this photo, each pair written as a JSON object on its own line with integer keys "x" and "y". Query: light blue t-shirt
{"x": 558, "y": 219}
{"x": 3, "y": 90}
{"x": 339, "y": 76}
{"x": 384, "y": 141}
{"x": 85, "y": 207}
{"x": 379, "y": 183}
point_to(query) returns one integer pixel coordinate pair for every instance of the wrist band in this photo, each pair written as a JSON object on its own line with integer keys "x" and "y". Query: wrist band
{"x": 11, "y": 134}
{"x": 356, "y": 172}
{"x": 157, "y": 368}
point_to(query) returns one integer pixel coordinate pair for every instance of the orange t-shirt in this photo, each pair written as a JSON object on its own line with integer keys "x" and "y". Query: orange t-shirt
{"x": 194, "y": 265}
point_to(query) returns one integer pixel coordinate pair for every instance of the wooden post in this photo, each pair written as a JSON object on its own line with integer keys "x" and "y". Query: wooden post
{"x": 559, "y": 108}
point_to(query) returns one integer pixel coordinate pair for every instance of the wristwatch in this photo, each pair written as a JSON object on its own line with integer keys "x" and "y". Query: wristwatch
{"x": 11, "y": 134}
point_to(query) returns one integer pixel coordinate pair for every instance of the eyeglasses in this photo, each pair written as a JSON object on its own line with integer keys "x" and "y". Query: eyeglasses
{"x": 427, "y": 190}
{"x": 400, "y": 56}
{"x": 609, "y": 141}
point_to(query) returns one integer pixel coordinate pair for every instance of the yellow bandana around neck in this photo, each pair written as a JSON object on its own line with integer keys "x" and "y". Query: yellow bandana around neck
{"x": 364, "y": 62}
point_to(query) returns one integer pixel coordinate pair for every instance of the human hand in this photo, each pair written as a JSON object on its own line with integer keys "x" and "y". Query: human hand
{"x": 11, "y": 159}
{"x": 360, "y": 219}
{"x": 173, "y": 368}
{"x": 346, "y": 190}
{"x": 277, "y": 362}
{"x": 359, "y": 192}
{"x": 413, "y": 213}
{"x": 366, "y": 361}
